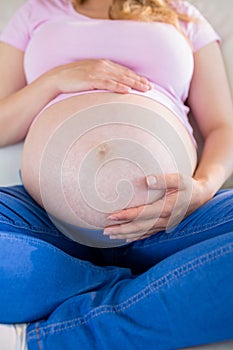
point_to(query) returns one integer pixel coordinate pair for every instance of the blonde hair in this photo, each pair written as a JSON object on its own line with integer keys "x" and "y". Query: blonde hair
{"x": 146, "y": 10}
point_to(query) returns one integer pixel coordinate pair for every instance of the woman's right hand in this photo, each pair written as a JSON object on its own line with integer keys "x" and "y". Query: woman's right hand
{"x": 102, "y": 74}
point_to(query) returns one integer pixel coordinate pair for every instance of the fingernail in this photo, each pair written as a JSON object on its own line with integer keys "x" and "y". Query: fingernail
{"x": 113, "y": 217}
{"x": 151, "y": 180}
{"x": 146, "y": 87}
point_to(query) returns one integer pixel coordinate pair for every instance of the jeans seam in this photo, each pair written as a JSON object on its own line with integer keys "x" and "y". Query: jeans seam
{"x": 40, "y": 243}
{"x": 187, "y": 232}
{"x": 38, "y": 338}
{"x": 31, "y": 228}
{"x": 147, "y": 291}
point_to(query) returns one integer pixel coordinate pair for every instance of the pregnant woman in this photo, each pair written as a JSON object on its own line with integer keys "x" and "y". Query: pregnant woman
{"x": 101, "y": 91}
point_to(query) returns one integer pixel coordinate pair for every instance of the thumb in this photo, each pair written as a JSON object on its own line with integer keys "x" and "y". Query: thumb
{"x": 165, "y": 181}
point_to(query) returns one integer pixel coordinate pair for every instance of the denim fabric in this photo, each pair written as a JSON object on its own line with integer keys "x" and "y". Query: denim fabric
{"x": 168, "y": 291}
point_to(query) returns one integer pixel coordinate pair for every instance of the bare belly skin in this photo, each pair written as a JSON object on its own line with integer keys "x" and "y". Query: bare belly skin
{"x": 87, "y": 156}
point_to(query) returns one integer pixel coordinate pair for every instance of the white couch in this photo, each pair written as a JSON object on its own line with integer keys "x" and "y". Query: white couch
{"x": 218, "y": 12}
{"x": 9, "y": 156}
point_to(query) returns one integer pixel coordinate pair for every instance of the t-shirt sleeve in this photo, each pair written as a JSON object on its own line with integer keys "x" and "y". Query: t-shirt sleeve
{"x": 16, "y": 32}
{"x": 199, "y": 31}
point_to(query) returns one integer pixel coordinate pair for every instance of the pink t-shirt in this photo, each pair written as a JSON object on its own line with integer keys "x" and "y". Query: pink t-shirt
{"x": 52, "y": 33}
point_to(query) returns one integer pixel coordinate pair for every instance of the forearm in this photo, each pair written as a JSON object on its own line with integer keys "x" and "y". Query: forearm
{"x": 18, "y": 110}
{"x": 216, "y": 163}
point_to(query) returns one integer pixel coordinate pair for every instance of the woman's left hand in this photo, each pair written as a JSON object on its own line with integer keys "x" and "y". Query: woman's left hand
{"x": 183, "y": 195}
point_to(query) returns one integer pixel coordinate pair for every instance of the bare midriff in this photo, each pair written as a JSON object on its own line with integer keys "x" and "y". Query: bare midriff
{"x": 87, "y": 156}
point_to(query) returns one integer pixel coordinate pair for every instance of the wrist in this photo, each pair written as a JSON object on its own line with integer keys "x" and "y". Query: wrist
{"x": 50, "y": 83}
{"x": 209, "y": 186}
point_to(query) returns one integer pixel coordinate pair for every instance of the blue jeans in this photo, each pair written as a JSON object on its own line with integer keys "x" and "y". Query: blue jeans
{"x": 165, "y": 292}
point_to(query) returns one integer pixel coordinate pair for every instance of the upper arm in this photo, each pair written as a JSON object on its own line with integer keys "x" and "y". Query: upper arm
{"x": 13, "y": 42}
{"x": 210, "y": 98}
{"x": 11, "y": 70}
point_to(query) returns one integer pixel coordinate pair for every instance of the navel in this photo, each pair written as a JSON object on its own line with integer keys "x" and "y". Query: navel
{"x": 103, "y": 150}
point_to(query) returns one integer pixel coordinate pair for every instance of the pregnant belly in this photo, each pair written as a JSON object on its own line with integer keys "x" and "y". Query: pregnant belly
{"x": 87, "y": 156}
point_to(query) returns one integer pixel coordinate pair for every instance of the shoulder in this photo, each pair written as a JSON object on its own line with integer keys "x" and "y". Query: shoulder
{"x": 48, "y": 5}
{"x": 43, "y": 6}
{"x": 40, "y": 11}
{"x": 187, "y": 8}
{"x": 198, "y": 30}
{"x": 27, "y": 18}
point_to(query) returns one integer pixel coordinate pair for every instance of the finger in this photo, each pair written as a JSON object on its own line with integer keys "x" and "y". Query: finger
{"x": 127, "y": 238}
{"x": 128, "y": 72}
{"x": 127, "y": 214}
{"x": 112, "y": 85}
{"x": 132, "y": 82}
{"x": 135, "y": 84}
{"x": 166, "y": 181}
{"x": 133, "y": 229}
{"x": 143, "y": 212}
{"x": 134, "y": 236}
{"x": 126, "y": 76}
